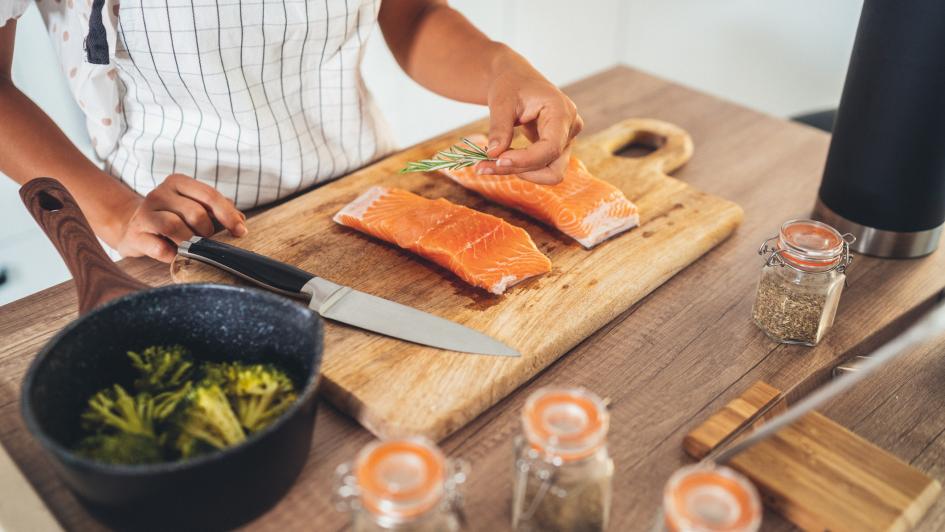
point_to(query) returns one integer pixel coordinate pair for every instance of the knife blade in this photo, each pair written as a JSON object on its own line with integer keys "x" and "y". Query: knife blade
{"x": 344, "y": 304}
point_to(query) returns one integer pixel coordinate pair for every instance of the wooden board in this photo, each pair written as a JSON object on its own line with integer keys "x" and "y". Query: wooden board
{"x": 394, "y": 388}
{"x": 818, "y": 474}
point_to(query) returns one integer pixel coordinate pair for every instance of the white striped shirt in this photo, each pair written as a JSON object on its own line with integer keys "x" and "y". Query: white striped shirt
{"x": 257, "y": 98}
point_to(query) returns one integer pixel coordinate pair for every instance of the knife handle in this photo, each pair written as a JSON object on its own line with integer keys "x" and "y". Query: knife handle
{"x": 268, "y": 273}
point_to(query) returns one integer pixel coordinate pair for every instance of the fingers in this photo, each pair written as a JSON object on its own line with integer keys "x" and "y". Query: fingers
{"x": 156, "y": 247}
{"x": 502, "y": 117}
{"x": 577, "y": 126}
{"x": 551, "y": 174}
{"x": 175, "y": 211}
{"x": 219, "y": 206}
{"x": 194, "y": 215}
{"x": 553, "y": 128}
{"x": 169, "y": 225}
{"x": 141, "y": 244}
{"x": 551, "y": 133}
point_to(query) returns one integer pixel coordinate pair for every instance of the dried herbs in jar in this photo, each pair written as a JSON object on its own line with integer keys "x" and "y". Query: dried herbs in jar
{"x": 563, "y": 471}
{"x": 801, "y": 281}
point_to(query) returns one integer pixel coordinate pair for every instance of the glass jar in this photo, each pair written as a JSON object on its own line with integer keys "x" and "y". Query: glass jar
{"x": 710, "y": 498}
{"x": 562, "y": 469}
{"x": 801, "y": 281}
{"x": 402, "y": 485}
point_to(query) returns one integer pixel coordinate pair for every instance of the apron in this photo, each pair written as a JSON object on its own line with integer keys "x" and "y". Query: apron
{"x": 257, "y": 98}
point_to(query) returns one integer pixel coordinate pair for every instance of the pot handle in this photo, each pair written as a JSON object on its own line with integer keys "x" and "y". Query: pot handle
{"x": 97, "y": 278}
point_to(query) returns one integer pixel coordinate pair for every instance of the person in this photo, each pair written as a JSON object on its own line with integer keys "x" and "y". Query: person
{"x": 199, "y": 109}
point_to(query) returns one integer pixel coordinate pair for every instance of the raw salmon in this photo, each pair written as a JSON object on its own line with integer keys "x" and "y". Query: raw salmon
{"x": 582, "y": 206}
{"x": 483, "y": 250}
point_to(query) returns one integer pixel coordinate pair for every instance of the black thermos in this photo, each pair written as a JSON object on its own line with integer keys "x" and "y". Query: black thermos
{"x": 885, "y": 175}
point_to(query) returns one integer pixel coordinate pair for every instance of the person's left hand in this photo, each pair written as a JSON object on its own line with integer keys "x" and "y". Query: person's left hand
{"x": 549, "y": 119}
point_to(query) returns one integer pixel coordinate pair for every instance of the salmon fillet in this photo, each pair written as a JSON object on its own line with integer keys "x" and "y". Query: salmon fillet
{"x": 582, "y": 206}
{"x": 481, "y": 249}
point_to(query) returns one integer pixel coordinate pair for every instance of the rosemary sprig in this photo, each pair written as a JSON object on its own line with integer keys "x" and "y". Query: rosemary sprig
{"x": 456, "y": 157}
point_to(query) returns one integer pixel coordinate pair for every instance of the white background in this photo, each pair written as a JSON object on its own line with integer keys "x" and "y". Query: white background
{"x": 780, "y": 56}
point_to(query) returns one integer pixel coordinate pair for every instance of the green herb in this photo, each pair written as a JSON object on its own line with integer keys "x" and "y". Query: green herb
{"x": 788, "y": 312}
{"x": 456, "y": 157}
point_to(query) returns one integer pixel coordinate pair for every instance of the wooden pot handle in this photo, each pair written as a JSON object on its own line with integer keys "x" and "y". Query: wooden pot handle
{"x": 97, "y": 278}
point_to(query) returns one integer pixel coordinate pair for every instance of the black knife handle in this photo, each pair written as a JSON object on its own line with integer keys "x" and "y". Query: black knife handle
{"x": 262, "y": 270}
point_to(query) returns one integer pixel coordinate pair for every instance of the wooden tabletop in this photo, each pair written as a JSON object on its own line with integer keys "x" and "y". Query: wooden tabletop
{"x": 666, "y": 364}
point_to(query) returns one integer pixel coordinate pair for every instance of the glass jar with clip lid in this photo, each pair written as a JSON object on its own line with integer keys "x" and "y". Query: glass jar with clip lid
{"x": 562, "y": 471}
{"x": 710, "y": 498}
{"x": 801, "y": 281}
{"x": 404, "y": 485}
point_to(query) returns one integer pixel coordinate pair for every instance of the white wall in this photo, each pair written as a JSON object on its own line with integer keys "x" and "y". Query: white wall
{"x": 780, "y": 56}
{"x": 783, "y": 57}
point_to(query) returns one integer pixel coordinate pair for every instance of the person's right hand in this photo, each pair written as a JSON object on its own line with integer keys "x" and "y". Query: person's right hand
{"x": 176, "y": 210}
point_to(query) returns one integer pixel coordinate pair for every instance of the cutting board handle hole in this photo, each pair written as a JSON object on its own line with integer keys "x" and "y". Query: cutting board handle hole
{"x": 640, "y": 145}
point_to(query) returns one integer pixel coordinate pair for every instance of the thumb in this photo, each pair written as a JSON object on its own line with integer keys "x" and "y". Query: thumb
{"x": 501, "y": 127}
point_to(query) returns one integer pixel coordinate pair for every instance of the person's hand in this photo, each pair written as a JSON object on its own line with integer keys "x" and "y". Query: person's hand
{"x": 176, "y": 210}
{"x": 549, "y": 119}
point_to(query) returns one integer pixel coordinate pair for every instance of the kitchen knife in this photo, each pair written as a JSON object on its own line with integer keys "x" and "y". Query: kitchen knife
{"x": 341, "y": 303}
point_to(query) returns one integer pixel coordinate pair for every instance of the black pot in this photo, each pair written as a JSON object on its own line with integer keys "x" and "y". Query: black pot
{"x": 215, "y": 491}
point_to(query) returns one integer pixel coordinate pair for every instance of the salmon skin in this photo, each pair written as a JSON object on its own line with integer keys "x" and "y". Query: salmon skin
{"x": 581, "y": 206}
{"x": 481, "y": 249}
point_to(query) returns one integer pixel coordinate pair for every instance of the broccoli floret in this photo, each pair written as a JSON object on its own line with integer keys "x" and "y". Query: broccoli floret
{"x": 123, "y": 428}
{"x": 216, "y": 373}
{"x": 114, "y": 409}
{"x": 121, "y": 448}
{"x": 207, "y": 416}
{"x": 189, "y": 446}
{"x": 161, "y": 368}
{"x": 165, "y": 403}
{"x": 181, "y": 409}
{"x": 259, "y": 392}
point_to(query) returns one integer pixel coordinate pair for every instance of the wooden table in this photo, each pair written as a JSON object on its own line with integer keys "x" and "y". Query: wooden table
{"x": 666, "y": 364}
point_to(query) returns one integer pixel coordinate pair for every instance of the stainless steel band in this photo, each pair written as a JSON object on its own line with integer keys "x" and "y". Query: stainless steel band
{"x": 879, "y": 242}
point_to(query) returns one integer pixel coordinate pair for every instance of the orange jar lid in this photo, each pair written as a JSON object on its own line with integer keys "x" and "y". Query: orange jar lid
{"x": 810, "y": 245}
{"x": 566, "y": 423}
{"x": 710, "y": 498}
{"x": 400, "y": 478}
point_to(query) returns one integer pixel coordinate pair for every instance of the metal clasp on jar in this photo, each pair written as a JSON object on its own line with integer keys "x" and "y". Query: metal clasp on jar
{"x": 775, "y": 258}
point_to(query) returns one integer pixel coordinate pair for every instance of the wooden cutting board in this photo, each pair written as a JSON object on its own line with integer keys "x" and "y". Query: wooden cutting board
{"x": 395, "y": 388}
{"x": 818, "y": 474}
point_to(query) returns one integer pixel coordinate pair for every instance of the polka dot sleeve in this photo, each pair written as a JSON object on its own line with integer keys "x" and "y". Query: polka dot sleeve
{"x": 11, "y": 9}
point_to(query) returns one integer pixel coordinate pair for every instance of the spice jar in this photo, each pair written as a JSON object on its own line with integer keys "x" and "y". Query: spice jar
{"x": 562, "y": 469}
{"x": 801, "y": 281}
{"x": 710, "y": 498}
{"x": 401, "y": 485}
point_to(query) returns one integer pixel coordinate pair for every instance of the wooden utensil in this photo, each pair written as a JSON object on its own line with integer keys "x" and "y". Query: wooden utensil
{"x": 818, "y": 474}
{"x": 397, "y": 389}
